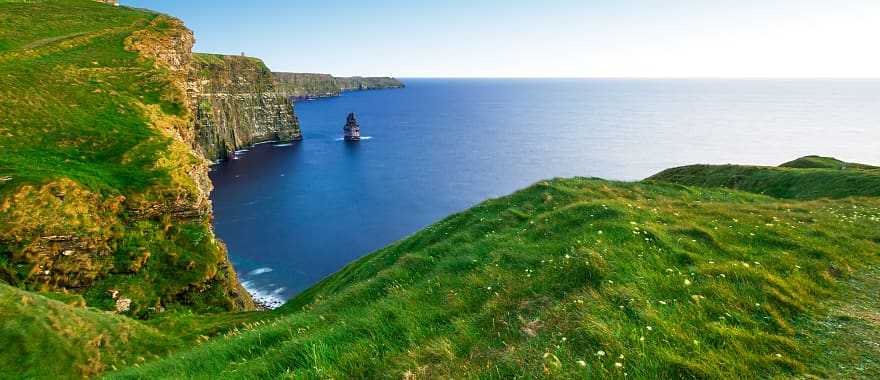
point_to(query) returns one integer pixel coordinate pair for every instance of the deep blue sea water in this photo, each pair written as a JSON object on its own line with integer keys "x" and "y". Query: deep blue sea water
{"x": 294, "y": 214}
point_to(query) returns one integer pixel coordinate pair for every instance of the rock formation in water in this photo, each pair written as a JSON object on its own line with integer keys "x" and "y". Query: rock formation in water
{"x": 352, "y": 129}
{"x": 299, "y": 86}
{"x": 236, "y": 105}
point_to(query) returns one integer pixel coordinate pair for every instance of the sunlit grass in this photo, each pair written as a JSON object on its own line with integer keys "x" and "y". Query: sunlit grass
{"x": 805, "y": 178}
{"x": 570, "y": 278}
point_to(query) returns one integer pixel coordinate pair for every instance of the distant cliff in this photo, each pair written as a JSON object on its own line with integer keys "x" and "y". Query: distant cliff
{"x": 237, "y": 105}
{"x": 305, "y": 85}
{"x": 368, "y": 83}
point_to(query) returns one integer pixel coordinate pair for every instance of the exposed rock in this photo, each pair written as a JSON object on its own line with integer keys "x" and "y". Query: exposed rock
{"x": 123, "y": 305}
{"x": 236, "y": 105}
{"x": 352, "y": 129}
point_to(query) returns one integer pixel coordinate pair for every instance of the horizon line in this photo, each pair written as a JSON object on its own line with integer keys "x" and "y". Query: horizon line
{"x": 625, "y": 77}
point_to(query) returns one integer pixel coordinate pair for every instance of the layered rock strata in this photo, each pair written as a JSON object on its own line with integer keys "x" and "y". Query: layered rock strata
{"x": 236, "y": 104}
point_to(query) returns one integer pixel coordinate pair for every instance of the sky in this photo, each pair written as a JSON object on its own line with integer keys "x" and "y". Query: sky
{"x": 550, "y": 38}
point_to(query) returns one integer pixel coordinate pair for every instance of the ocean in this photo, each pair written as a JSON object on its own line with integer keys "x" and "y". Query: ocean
{"x": 292, "y": 214}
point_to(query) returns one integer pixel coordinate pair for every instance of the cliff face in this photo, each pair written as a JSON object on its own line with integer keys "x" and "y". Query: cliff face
{"x": 303, "y": 86}
{"x": 367, "y": 83}
{"x": 236, "y": 104}
{"x": 101, "y": 192}
{"x": 299, "y": 86}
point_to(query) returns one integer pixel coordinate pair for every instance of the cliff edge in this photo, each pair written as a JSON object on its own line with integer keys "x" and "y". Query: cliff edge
{"x": 299, "y": 86}
{"x": 236, "y": 104}
{"x": 101, "y": 191}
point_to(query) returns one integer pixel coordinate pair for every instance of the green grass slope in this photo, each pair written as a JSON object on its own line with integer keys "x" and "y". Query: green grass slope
{"x": 54, "y": 336}
{"x": 48, "y": 339}
{"x": 584, "y": 278}
{"x": 806, "y": 178}
{"x": 70, "y": 94}
{"x": 817, "y": 162}
{"x": 100, "y": 193}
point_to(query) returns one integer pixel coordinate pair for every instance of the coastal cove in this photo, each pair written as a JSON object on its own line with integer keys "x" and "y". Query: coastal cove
{"x": 292, "y": 214}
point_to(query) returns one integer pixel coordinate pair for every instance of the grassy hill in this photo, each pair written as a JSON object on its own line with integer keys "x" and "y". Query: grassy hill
{"x": 579, "y": 278}
{"x": 805, "y": 178}
{"x": 817, "y": 162}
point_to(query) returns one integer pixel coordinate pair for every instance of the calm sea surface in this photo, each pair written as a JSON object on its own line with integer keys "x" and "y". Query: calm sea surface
{"x": 292, "y": 215}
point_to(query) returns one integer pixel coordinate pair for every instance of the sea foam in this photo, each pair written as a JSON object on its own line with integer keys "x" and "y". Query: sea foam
{"x": 259, "y": 271}
{"x": 269, "y": 298}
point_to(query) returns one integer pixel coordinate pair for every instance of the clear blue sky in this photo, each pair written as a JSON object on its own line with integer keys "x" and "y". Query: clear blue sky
{"x": 562, "y": 38}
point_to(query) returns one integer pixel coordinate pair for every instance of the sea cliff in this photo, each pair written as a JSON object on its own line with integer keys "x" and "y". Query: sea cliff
{"x": 299, "y": 86}
{"x": 236, "y": 104}
{"x": 102, "y": 193}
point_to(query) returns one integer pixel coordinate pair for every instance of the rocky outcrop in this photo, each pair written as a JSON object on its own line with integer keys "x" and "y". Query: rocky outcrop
{"x": 352, "y": 130}
{"x": 184, "y": 207}
{"x": 236, "y": 104}
{"x": 299, "y": 86}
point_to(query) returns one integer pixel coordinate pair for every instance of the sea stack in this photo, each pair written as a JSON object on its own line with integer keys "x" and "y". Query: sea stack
{"x": 352, "y": 130}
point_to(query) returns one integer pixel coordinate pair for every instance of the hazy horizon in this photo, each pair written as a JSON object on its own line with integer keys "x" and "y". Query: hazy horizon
{"x": 724, "y": 39}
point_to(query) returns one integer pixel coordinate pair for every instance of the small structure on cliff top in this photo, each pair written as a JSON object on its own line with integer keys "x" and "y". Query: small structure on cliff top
{"x": 352, "y": 130}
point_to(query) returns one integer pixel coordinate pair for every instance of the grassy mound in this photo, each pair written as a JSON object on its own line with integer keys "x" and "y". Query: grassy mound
{"x": 54, "y": 336}
{"x": 806, "y": 178}
{"x": 578, "y": 278}
{"x": 49, "y": 339}
{"x": 817, "y": 162}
